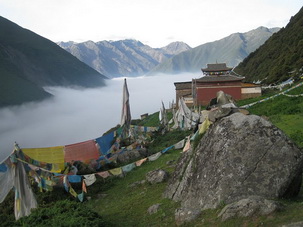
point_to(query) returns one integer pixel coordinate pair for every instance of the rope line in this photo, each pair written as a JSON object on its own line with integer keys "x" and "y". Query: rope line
{"x": 274, "y": 96}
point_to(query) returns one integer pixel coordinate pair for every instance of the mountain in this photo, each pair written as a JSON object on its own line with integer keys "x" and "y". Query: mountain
{"x": 231, "y": 50}
{"x": 28, "y": 62}
{"x": 122, "y": 58}
{"x": 280, "y": 57}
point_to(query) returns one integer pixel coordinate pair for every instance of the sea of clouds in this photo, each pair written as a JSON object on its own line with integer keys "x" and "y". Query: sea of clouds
{"x": 76, "y": 115}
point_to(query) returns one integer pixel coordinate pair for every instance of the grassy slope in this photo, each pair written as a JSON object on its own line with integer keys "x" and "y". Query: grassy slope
{"x": 284, "y": 112}
{"x": 125, "y": 206}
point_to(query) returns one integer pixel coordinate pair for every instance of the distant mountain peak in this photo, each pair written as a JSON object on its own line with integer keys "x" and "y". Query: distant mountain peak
{"x": 66, "y": 44}
{"x": 128, "y": 57}
{"x": 176, "y": 47}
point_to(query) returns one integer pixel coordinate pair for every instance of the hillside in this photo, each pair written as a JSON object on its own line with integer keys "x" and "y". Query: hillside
{"x": 231, "y": 50}
{"x": 108, "y": 197}
{"x": 280, "y": 57}
{"x": 122, "y": 58}
{"x": 117, "y": 201}
{"x": 28, "y": 62}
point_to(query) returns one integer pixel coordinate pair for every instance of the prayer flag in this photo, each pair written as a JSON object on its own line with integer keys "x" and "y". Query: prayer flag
{"x": 116, "y": 171}
{"x": 47, "y": 154}
{"x": 139, "y": 163}
{"x": 154, "y": 157}
{"x": 83, "y": 151}
{"x": 89, "y": 179}
{"x": 125, "y": 115}
{"x": 128, "y": 167}
{"x": 104, "y": 174}
{"x": 72, "y": 192}
{"x": 84, "y": 186}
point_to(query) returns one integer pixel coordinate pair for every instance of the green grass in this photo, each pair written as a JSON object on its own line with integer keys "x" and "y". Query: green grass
{"x": 151, "y": 120}
{"x": 284, "y": 112}
{"x": 127, "y": 206}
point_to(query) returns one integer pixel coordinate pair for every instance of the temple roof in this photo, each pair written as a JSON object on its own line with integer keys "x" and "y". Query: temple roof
{"x": 216, "y": 67}
{"x": 217, "y": 78}
{"x": 183, "y": 85}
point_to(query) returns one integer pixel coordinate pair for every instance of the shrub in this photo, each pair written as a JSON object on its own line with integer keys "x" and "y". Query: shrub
{"x": 63, "y": 213}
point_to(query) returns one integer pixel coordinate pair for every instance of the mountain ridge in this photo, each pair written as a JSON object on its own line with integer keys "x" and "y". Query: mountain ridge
{"x": 217, "y": 51}
{"x": 29, "y": 61}
{"x": 131, "y": 57}
{"x": 279, "y": 58}
{"x": 127, "y": 57}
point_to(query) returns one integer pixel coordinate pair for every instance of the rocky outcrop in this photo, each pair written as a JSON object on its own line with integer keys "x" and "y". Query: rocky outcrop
{"x": 131, "y": 155}
{"x": 156, "y": 176}
{"x": 153, "y": 209}
{"x": 238, "y": 157}
{"x": 185, "y": 215}
{"x": 296, "y": 224}
{"x": 253, "y": 205}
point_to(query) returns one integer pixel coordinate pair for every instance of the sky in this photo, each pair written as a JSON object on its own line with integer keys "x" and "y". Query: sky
{"x": 153, "y": 22}
{"x": 76, "y": 115}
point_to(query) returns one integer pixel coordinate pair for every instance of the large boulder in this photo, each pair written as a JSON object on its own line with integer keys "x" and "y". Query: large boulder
{"x": 239, "y": 156}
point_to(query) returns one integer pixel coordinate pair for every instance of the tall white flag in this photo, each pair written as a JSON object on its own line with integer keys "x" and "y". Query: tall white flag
{"x": 125, "y": 115}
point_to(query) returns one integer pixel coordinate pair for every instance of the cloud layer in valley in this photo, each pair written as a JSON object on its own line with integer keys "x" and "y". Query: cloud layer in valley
{"x": 75, "y": 115}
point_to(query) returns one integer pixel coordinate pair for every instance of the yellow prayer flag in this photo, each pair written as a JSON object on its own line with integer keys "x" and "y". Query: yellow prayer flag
{"x": 116, "y": 171}
{"x": 52, "y": 155}
{"x": 72, "y": 192}
{"x": 204, "y": 126}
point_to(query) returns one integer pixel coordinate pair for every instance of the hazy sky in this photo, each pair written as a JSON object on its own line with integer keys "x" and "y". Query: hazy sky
{"x": 153, "y": 22}
{"x": 78, "y": 115}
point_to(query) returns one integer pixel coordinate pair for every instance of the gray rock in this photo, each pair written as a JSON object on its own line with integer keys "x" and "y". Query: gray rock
{"x": 153, "y": 209}
{"x": 137, "y": 183}
{"x": 170, "y": 162}
{"x": 102, "y": 195}
{"x": 128, "y": 156}
{"x": 156, "y": 176}
{"x": 185, "y": 215}
{"x": 239, "y": 156}
{"x": 253, "y": 205}
{"x": 218, "y": 113}
{"x": 296, "y": 224}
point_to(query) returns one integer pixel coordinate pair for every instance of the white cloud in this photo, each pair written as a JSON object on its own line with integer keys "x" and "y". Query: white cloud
{"x": 77, "y": 115}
